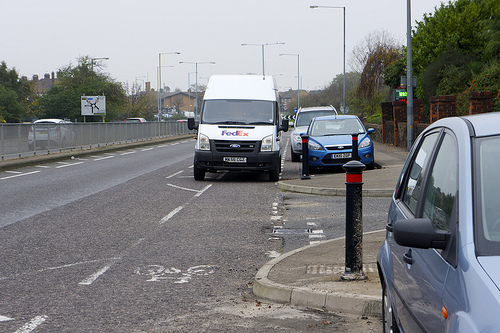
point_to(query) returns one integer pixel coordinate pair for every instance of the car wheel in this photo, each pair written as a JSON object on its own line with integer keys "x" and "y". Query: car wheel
{"x": 274, "y": 174}
{"x": 199, "y": 174}
{"x": 388, "y": 317}
{"x": 295, "y": 157}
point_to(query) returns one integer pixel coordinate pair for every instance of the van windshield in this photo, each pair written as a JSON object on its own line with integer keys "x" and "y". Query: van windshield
{"x": 240, "y": 112}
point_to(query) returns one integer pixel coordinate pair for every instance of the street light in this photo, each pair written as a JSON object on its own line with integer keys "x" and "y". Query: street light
{"x": 298, "y": 75}
{"x": 196, "y": 75}
{"x": 263, "y": 45}
{"x": 313, "y": 7}
{"x": 158, "y": 81}
{"x": 92, "y": 62}
{"x": 409, "y": 79}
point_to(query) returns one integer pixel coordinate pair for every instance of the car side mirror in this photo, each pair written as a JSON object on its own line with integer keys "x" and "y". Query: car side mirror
{"x": 420, "y": 233}
{"x": 192, "y": 124}
{"x": 371, "y": 130}
{"x": 284, "y": 126}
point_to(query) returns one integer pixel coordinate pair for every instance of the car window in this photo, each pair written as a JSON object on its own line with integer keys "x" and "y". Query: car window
{"x": 304, "y": 118}
{"x": 443, "y": 185}
{"x": 488, "y": 220}
{"x": 414, "y": 180}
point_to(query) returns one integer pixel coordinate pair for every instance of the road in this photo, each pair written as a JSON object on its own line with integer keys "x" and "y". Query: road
{"x": 129, "y": 242}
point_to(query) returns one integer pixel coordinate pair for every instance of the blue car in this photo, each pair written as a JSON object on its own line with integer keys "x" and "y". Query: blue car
{"x": 330, "y": 141}
{"x": 440, "y": 262}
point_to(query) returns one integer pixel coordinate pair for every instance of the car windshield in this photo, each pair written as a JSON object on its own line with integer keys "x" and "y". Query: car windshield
{"x": 239, "y": 112}
{"x": 304, "y": 118}
{"x": 488, "y": 217}
{"x": 336, "y": 127}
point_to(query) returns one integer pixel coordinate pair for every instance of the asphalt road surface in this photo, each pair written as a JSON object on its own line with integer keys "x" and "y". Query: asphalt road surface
{"x": 130, "y": 242}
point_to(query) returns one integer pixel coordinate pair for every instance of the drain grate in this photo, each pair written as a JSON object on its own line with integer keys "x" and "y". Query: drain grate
{"x": 285, "y": 231}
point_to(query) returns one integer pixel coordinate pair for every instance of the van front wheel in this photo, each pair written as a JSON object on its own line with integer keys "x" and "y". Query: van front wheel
{"x": 199, "y": 174}
{"x": 274, "y": 174}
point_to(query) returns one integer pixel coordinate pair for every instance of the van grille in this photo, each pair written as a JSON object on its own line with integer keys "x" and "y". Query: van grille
{"x": 236, "y": 146}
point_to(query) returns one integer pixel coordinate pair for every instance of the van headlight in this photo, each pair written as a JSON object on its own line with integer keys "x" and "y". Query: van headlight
{"x": 267, "y": 143}
{"x": 204, "y": 142}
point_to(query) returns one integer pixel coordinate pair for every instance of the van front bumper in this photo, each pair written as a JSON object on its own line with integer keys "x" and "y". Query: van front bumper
{"x": 261, "y": 161}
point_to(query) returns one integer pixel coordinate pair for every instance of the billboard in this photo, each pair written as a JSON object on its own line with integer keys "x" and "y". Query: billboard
{"x": 93, "y": 105}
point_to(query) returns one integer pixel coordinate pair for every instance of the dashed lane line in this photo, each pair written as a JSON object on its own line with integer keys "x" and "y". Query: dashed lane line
{"x": 32, "y": 325}
{"x": 20, "y": 174}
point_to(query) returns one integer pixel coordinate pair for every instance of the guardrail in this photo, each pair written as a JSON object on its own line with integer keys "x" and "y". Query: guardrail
{"x": 20, "y": 140}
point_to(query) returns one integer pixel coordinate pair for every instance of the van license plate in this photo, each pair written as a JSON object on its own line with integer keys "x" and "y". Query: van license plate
{"x": 235, "y": 159}
{"x": 342, "y": 155}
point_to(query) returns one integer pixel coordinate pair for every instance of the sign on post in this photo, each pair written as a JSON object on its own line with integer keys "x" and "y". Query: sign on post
{"x": 93, "y": 105}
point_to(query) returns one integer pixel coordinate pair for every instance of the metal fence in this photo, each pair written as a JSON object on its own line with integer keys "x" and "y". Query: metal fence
{"x": 19, "y": 140}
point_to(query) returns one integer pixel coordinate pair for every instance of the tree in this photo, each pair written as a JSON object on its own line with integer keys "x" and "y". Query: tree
{"x": 372, "y": 57}
{"x": 455, "y": 45}
{"x": 16, "y": 95}
{"x": 63, "y": 100}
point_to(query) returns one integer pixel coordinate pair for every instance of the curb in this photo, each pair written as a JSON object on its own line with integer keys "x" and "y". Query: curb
{"x": 333, "y": 191}
{"x": 341, "y": 302}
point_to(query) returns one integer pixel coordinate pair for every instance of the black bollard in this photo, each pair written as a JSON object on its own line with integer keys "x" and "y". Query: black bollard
{"x": 354, "y": 154}
{"x": 305, "y": 157}
{"x": 354, "y": 221}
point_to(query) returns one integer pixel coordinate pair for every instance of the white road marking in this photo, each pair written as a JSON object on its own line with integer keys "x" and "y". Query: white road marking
{"x": 14, "y": 172}
{"x": 146, "y": 149}
{"x": 33, "y": 324}
{"x": 175, "y": 174}
{"x": 128, "y": 153}
{"x": 42, "y": 166}
{"x": 19, "y": 175}
{"x": 3, "y": 318}
{"x": 103, "y": 158}
{"x": 68, "y": 164}
{"x": 183, "y": 188}
{"x": 203, "y": 190}
{"x": 95, "y": 276}
{"x": 171, "y": 214}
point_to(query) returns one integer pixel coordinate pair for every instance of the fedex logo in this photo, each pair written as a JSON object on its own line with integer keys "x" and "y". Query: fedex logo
{"x": 235, "y": 133}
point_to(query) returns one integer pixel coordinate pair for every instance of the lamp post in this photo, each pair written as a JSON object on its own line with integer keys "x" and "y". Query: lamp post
{"x": 343, "y": 95}
{"x": 92, "y": 62}
{"x": 298, "y": 75}
{"x": 263, "y": 46}
{"x": 158, "y": 81}
{"x": 409, "y": 79}
{"x": 196, "y": 75}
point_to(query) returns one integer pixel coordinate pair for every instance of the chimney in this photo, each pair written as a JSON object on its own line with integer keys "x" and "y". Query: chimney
{"x": 35, "y": 78}
{"x": 148, "y": 86}
{"x": 53, "y": 78}
{"x": 46, "y": 76}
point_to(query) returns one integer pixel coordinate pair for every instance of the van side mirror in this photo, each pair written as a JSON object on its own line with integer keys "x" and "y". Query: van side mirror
{"x": 284, "y": 126}
{"x": 192, "y": 124}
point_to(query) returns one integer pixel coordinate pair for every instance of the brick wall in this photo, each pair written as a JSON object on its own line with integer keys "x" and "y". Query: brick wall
{"x": 442, "y": 107}
{"x": 480, "y": 102}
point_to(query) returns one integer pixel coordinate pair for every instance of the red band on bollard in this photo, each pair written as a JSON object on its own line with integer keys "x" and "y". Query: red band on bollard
{"x": 304, "y": 140}
{"x": 353, "y": 177}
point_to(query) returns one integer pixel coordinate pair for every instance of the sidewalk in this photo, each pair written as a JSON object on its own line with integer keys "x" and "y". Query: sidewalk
{"x": 310, "y": 276}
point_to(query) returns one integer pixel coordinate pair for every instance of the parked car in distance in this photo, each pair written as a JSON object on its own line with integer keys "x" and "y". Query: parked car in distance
{"x": 440, "y": 262}
{"x": 51, "y": 133}
{"x": 302, "y": 120}
{"x": 330, "y": 141}
{"x": 135, "y": 120}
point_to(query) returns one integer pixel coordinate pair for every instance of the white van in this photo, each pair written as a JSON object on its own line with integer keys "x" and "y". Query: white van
{"x": 239, "y": 126}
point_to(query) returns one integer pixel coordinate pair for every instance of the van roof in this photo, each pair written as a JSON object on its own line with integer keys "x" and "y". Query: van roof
{"x": 250, "y": 87}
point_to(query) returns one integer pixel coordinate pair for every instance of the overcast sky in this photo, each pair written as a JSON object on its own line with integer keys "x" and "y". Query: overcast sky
{"x": 38, "y": 37}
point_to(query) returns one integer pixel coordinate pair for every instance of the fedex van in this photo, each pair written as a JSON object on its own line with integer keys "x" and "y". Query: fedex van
{"x": 239, "y": 126}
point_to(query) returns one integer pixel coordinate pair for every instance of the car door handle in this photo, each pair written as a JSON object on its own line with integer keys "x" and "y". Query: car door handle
{"x": 408, "y": 258}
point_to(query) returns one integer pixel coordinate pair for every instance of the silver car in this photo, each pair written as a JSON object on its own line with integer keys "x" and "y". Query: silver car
{"x": 51, "y": 133}
{"x": 302, "y": 120}
{"x": 440, "y": 263}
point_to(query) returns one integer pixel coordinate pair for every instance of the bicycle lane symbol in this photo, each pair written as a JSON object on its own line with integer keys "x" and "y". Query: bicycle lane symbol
{"x": 159, "y": 272}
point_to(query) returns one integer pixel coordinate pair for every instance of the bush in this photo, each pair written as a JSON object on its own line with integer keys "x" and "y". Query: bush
{"x": 375, "y": 119}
